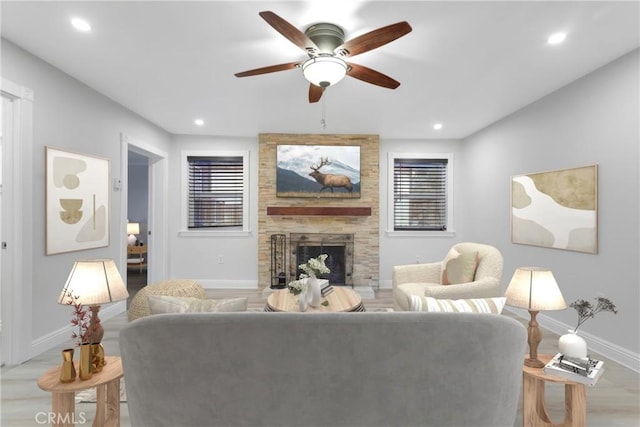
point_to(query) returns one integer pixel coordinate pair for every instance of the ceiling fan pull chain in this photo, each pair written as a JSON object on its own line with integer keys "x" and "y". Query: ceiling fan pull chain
{"x": 323, "y": 120}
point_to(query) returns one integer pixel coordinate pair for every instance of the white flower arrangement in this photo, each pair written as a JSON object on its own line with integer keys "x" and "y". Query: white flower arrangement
{"x": 297, "y": 286}
{"x": 314, "y": 267}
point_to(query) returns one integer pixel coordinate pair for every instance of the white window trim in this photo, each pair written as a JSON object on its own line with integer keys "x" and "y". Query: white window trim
{"x": 390, "y": 196}
{"x": 184, "y": 184}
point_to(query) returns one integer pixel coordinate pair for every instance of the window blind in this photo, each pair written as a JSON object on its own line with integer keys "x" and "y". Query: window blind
{"x": 215, "y": 191}
{"x": 420, "y": 194}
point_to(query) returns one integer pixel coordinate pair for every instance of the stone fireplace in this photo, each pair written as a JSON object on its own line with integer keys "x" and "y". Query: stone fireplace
{"x": 308, "y": 222}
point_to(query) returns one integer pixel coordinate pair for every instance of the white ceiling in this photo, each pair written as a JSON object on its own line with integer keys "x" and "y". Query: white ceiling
{"x": 465, "y": 64}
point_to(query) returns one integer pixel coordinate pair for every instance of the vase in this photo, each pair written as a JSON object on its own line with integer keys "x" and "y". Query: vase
{"x": 68, "y": 370}
{"x": 314, "y": 297}
{"x": 572, "y": 345}
{"x": 85, "y": 362}
{"x": 97, "y": 357}
{"x": 303, "y": 301}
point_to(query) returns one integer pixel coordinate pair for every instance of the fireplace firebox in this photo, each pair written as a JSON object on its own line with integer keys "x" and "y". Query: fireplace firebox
{"x": 339, "y": 250}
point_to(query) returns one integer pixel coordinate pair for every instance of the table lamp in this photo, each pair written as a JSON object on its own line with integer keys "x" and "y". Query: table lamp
{"x": 534, "y": 289}
{"x": 94, "y": 282}
{"x": 133, "y": 228}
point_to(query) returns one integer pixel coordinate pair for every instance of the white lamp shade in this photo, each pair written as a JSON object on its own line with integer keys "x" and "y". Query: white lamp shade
{"x": 324, "y": 71}
{"x": 94, "y": 282}
{"x": 133, "y": 228}
{"x": 535, "y": 289}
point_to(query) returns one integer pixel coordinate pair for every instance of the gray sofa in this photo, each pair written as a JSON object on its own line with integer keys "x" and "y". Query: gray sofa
{"x": 320, "y": 369}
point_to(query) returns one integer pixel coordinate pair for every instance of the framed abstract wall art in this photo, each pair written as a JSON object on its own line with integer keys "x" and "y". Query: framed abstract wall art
{"x": 77, "y": 201}
{"x": 318, "y": 171}
{"x": 556, "y": 209}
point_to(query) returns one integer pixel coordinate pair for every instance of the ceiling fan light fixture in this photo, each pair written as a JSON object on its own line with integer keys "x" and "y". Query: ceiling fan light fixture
{"x": 324, "y": 71}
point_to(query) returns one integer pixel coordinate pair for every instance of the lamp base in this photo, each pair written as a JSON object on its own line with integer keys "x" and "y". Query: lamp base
{"x": 96, "y": 332}
{"x": 533, "y": 363}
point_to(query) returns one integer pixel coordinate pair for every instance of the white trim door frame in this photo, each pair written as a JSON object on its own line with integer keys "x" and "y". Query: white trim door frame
{"x": 17, "y": 235}
{"x": 157, "y": 238}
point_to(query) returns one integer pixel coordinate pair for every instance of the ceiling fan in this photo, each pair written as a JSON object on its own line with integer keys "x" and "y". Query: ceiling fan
{"x": 324, "y": 44}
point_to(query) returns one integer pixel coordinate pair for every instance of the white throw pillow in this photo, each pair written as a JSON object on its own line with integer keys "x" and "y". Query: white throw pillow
{"x": 471, "y": 305}
{"x": 159, "y": 304}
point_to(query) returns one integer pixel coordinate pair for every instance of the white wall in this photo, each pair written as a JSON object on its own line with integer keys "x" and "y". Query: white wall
{"x": 71, "y": 116}
{"x": 594, "y": 120}
{"x": 196, "y": 257}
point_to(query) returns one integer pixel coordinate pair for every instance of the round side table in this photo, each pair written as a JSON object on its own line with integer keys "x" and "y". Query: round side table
{"x": 534, "y": 411}
{"x": 107, "y": 385}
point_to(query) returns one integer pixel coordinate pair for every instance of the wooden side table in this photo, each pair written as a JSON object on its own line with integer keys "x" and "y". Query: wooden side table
{"x": 107, "y": 385}
{"x": 534, "y": 411}
{"x": 341, "y": 299}
{"x": 136, "y": 253}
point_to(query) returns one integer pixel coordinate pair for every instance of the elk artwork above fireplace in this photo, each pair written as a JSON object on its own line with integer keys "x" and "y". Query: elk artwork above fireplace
{"x": 318, "y": 171}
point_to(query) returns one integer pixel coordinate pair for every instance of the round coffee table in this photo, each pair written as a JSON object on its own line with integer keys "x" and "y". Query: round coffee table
{"x": 341, "y": 299}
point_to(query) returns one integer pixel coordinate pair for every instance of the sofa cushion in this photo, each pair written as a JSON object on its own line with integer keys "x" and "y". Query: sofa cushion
{"x": 460, "y": 268}
{"x": 471, "y": 305}
{"x": 159, "y": 304}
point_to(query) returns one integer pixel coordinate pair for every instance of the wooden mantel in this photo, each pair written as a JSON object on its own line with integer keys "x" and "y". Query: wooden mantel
{"x": 318, "y": 210}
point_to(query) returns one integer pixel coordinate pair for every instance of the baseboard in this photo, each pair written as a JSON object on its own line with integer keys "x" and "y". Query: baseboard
{"x": 62, "y": 335}
{"x": 609, "y": 350}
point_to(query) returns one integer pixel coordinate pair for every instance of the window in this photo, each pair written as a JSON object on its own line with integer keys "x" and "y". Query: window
{"x": 420, "y": 189}
{"x": 216, "y": 193}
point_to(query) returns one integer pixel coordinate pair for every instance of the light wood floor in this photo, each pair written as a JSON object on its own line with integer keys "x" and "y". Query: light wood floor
{"x": 614, "y": 401}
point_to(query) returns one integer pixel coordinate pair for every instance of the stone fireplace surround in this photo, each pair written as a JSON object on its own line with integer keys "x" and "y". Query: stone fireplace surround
{"x": 357, "y": 217}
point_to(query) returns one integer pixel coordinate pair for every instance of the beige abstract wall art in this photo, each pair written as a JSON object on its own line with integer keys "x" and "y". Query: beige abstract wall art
{"x": 556, "y": 209}
{"x": 77, "y": 201}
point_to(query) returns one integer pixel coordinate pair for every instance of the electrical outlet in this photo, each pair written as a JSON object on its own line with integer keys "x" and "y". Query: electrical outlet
{"x": 417, "y": 259}
{"x": 220, "y": 259}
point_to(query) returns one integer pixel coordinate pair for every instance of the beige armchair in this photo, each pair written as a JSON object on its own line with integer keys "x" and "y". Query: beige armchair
{"x": 426, "y": 279}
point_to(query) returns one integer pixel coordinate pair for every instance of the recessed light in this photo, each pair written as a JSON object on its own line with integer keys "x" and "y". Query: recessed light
{"x": 556, "y": 38}
{"x": 437, "y": 126}
{"x": 80, "y": 25}
{"x": 198, "y": 122}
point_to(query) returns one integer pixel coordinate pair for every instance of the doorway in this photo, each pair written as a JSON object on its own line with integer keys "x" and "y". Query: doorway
{"x": 138, "y": 216}
{"x": 148, "y": 185}
{"x": 16, "y": 168}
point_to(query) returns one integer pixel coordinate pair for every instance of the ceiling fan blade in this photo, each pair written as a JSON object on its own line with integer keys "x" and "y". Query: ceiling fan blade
{"x": 373, "y": 39}
{"x": 269, "y": 69}
{"x": 371, "y": 76}
{"x": 315, "y": 93}
{"x": 292, "y": 34}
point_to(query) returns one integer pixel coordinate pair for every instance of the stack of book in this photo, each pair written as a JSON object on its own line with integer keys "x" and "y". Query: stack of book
{"x": 585, "y": 371}
{"x": 326, "y": 289}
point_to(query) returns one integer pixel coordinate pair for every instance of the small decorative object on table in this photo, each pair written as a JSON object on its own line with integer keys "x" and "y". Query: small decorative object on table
{"x": 313, "y": 268}
{"x": 97, "y": 357}
{"x": 308, "y": 284}
{"x": 571, "y": 344}
{"x": 68, "y": 370}
{"x": 299, "y": 288}
{"x": 585, "y": 371}
{"x": 85, "y": 362}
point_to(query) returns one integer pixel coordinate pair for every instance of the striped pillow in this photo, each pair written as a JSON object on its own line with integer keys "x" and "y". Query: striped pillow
{"x": 472, "y": 305}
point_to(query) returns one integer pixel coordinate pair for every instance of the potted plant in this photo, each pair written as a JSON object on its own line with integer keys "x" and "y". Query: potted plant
{"x": 573, "y": 345}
